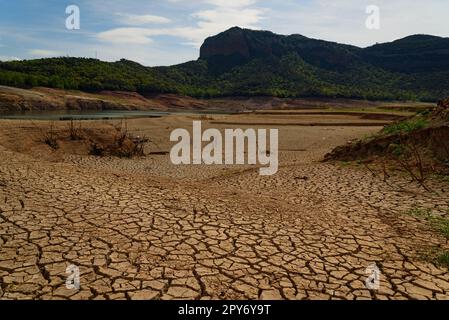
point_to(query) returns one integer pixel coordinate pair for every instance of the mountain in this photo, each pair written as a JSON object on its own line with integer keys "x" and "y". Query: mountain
{"x": 418, "y": 53}
{"x": 241, "y": 46}
{"x": 242, "y": 62}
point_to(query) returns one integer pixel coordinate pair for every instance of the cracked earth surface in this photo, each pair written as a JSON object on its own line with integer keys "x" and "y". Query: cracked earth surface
{"x": 143, "y": 229}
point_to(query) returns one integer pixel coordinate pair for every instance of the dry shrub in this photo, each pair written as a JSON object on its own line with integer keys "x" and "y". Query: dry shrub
{"x": 118, "y": 142}
{"x": 412, "y": 159}
{"x": 75, "y": 132}
{"x": 50, "y": 137}
{"x": 123, "y": 144}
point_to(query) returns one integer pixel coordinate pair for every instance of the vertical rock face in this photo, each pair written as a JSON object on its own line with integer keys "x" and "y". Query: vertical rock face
{"x": 237, "y": 46}
{"x": 226, "y": 44}
{"x": 244, "y": 43}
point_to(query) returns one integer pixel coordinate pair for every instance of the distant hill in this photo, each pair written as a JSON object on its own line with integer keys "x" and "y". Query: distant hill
{"x": 242, "y": 62}
{"x": 414, "y": 54}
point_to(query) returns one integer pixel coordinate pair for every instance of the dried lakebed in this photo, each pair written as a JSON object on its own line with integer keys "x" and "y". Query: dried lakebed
{"x": 146, "y": 229}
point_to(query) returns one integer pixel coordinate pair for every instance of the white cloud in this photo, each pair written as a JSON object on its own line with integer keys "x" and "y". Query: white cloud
{"x": 127, "y": 35}
{"x": 231, "y": 3}
{"x": 44, "y": 53}
{"x": 138, "y": 20}
{"x": 214, "y": 21}
{"x": 223, "y": 15}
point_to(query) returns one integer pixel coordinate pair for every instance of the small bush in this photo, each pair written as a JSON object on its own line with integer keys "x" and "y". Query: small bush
{"x": 443, "y": 259}
{"x": 406, "y": 126}
{"x": 438, "y": 223}
{"x": 123, "y": 144}
{"x": 50, "y": 138}
{"x": 437, "y": 256}
{"x": 75, "y": 131}
{"x": 411, "y": 158}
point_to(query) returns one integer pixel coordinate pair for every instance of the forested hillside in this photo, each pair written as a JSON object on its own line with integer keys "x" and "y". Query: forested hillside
{"x": 241, "y": 62}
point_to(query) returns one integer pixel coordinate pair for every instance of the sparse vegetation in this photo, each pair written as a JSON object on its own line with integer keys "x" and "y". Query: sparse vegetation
{"x": 442, "y": 177}
{"x": 437, "y": 256}
{"x": 75, "y": 132}
{"x": 443, "y": 259}
{"x": 123, "y": 144}
{"x": 418, "y": 147}
{"x": 411, "y": 158}
{"x": 438, "y": 223}
{"x": 406, "y": 126}
{"x": 344, "y": 164}
{"x": 50, "y": 137}
{"x": 403, "y": 156}
{"x": 116, "y": 142}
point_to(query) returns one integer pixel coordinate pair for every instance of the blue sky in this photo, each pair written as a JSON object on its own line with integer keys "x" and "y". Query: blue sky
{"x": 166, "y": 32}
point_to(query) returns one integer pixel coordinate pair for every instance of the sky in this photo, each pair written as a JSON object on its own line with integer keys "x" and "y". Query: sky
{"x": 167, "y": 32}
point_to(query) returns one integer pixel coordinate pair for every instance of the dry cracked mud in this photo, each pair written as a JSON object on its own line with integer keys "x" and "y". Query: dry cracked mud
{"x": 145, "y": 229}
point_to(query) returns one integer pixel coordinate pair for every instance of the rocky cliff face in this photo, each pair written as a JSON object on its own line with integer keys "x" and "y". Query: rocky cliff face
{"x": 226, "y": 44}
{"x": 237, "y": 46}
{"x": 244, "y": 43}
